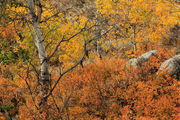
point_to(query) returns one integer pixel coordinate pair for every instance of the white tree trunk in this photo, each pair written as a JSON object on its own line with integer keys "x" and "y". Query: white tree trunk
{"x": 44, "y": 73}
{"x": 35, "y": 12}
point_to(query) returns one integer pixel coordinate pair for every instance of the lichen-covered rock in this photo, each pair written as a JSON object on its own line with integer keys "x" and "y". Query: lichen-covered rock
{"x": 146, "y": 56}
{"x": 171, "y": 66}
{"x": 141, "y": 59}
{"x": 133, "y": 62}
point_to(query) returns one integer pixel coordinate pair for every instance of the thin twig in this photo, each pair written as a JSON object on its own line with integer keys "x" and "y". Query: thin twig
{"x": 45, "y": 20}
{"x": 29, "y": 88}
{"x": 68, "y": 39}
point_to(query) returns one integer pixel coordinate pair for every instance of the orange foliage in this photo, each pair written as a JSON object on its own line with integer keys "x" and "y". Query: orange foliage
{"x": 106, "y": 89}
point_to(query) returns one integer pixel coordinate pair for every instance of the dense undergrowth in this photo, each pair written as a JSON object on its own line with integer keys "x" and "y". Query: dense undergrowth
{"x": 106, "y": 89}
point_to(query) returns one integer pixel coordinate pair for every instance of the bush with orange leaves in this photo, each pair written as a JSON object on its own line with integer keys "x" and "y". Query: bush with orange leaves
{"x": 106, "y": 89}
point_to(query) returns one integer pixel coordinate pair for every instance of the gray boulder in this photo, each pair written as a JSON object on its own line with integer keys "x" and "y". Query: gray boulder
{"x": 171, "y": 66}
{"x": 133, "y": 62}
{"x": 143, "y": 58}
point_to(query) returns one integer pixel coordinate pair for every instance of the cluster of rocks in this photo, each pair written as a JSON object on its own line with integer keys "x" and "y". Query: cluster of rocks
{"x": 170, "y": 66}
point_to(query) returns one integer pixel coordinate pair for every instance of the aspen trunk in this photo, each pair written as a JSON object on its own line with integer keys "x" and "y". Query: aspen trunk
{"x": 44, "y": 72}
{"x": 35, "y": 12}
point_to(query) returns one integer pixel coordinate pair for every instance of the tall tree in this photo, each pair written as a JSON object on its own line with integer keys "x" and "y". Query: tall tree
{"x": 35, "y": 15}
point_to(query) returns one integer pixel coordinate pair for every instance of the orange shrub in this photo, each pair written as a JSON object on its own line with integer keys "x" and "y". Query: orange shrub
{"x": 106, "y": 89}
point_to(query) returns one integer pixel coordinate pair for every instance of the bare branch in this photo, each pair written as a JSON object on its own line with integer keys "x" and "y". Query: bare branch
{"x": 40, "y": 10}
{"x": 29, "y": 88}
{"x": 36, "y": 71}
{"x": 48, "y": 18}
{"x": 66, "y": 40}
{"x": 31, "y": 7}
{"x": 57, "y": 13}
{"x": 75, "y": 65}
{"x": 71, "y": 68}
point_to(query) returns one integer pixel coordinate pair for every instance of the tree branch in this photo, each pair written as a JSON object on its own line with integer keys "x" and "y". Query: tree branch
{"x": 68, "y": 39}
{"x": 48, "y": 18}
{"x": 39, "y": 10}
{"x": 75, "y": 65}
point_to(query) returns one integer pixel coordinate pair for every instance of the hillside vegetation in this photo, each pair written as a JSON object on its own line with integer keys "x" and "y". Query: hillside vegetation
{"x": 89, "y": 60}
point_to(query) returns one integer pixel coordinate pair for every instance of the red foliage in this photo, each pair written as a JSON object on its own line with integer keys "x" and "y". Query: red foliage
{"x": 107, "y": 89}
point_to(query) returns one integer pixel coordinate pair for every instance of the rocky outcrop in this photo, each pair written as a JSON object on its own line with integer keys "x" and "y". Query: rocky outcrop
{"x": 141, "y": 59}
{"x": 171, "y": 66}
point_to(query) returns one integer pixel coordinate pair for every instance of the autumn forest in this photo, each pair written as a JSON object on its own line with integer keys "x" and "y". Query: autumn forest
{"x": 89, "y": 59}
